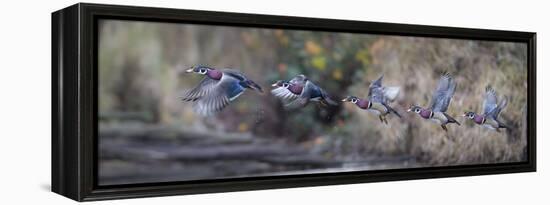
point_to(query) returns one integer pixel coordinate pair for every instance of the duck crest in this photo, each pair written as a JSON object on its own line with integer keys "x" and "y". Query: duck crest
{"x": 363, "y": 104}
{"x": 426, "y": 114}
{"x": 214, "y": 74}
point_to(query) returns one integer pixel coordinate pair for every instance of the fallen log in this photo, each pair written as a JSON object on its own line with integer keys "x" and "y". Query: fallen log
{"x": 272, "y": 153}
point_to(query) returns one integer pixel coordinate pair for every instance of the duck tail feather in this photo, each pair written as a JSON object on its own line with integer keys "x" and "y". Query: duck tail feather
{"x": 451, "y": 119}
{"x": 329, "y": 101}
{"x": 393, "y": 111}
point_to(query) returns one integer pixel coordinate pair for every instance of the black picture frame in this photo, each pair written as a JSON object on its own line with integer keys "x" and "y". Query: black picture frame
{"x": 74, "y": 101}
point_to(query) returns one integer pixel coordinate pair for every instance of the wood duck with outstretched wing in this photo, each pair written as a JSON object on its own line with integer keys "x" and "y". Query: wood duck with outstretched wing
{"x": 217, "y": 89}
{"x": 491, "y": 111}
{"x": 299, "y": 91}
{"x": 378, "y": 99}
{"x": 441, "y": 100}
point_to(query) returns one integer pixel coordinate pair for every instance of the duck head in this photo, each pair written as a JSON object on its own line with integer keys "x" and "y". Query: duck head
{"x": 351, "y": 99}
{"x": 361, "y": 103}
{"x": 203, "y": 70}
{"x": 415, "y": 108}
{"x": 469, "y": 115}
{"x": 280, "y": 83}
{"x": 478, "y": 119}
{"x": 424, "y": 113}
{"x": 299, "y": 79}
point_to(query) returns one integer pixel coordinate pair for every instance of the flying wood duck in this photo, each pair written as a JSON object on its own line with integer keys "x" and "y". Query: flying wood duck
{"x": 217, "y": 89}
{"x": 491, "y": 110}
{"x": 377, "y": 100}
{"x": 441, "y": 99}
{"x": 299, "y": 91}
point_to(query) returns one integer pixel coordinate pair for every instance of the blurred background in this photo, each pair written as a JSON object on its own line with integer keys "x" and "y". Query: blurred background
{"x": 147, "y": 134}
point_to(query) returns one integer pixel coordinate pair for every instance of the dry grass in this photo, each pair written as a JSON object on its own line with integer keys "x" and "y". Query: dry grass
{"x": 415, "y": 64}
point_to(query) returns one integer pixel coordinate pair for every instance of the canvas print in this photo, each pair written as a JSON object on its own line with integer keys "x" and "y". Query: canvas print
{"x": 186, "y": 102}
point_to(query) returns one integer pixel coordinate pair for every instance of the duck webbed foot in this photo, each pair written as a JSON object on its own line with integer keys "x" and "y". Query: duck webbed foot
{"x": 383, "y": 119}
{"x": 444, "y": 128}
{"x": 322, "y": 103}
